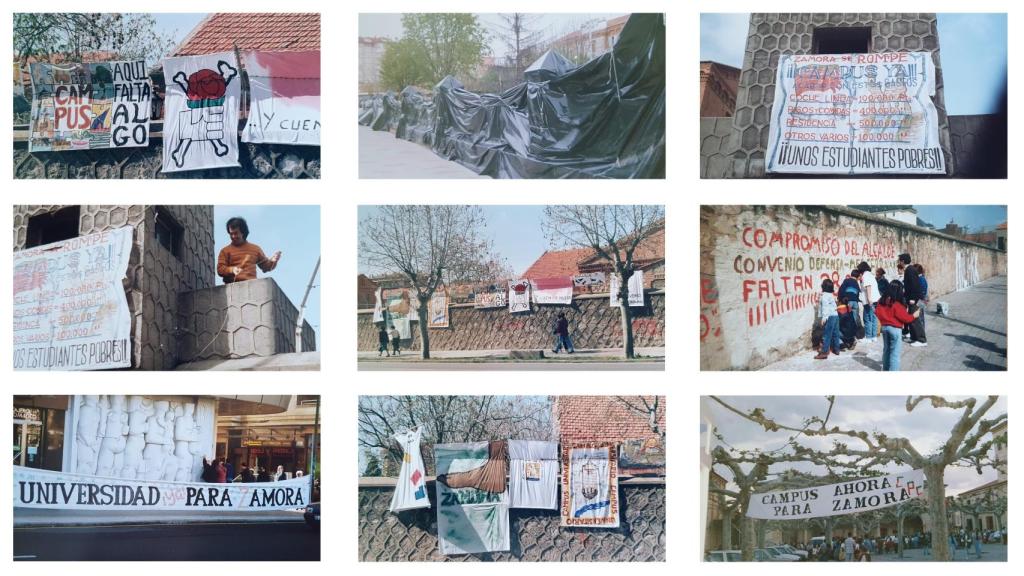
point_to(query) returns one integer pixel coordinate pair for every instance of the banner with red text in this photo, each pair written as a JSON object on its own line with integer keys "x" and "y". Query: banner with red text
{"x": 552, "y": 290}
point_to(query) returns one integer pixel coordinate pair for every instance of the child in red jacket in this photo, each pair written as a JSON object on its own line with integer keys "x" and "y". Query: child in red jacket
{"x": 892, "y": 315}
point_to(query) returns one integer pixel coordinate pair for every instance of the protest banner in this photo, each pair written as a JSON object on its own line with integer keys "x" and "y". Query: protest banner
{"x": 36, "y": 488}
{"x": 201, "y": 112}
{"x": 87, "y": 106}
{"x": 848, "y": 497}
{"x": 437, "y": 313}
{"x": 590, "y": 486}
{"x": 378, "y": 310}
{"x": 518, "y": 295}
{"x": 70, "y": 309}
{"x": 284, "y": 97}
{"x": 469, "y": 519}
{"x": 589, "y": 279}
{"x": 399, "y": 313}
{"x": 636, "y": 289}
{"x": 855, "y": 114}
{"x": 552, "y": 290}
{"x": 490, "y": 300}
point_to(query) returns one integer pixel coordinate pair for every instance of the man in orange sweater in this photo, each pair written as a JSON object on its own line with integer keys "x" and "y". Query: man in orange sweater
{"x": 237, "y": 261}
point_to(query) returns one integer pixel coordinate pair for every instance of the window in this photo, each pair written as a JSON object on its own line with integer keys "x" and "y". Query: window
{"x": 53, "y": 226}
{"x": 845, "y": 40}
{"x": 167, "y": 232}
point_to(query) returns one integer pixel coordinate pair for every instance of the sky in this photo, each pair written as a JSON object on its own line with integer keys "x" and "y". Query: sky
{"x": 292, "y": 229}
{"x": 926, "y": 427}
{"x": 515, "y": 231}
{"x": 176, "y": 25}
{"x": 973, "y": 52}
{"x": 553, "y": 25}
{"x": 976, "y": 218}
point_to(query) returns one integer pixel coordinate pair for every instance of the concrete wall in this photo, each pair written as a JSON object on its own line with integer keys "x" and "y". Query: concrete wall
{"x": 761, "y": 269}
{"x": 592, "y": 321}
{"x": 535, "y": 534}
{"x": 155, "y": 276}
{"x": 772, "y": 35}
{"x": 238, "y": 320}
{"x": 716, "y": 147}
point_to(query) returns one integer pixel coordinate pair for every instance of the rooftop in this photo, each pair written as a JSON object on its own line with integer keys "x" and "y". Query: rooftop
{"x": 271, "y": 31}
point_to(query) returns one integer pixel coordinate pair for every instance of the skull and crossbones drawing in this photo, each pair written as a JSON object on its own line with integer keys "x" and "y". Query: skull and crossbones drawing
{"x": 203, "y": 120}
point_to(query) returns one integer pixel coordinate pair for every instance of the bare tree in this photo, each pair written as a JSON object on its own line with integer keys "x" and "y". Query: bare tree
{"x": 521, "y": 34}
{"x": 963, "y": 447}
{"x": 428, "y": 245}
{"x": 68, "y": 36}
{"x": 575, "y": 41}
{"x": 613, "y": 232}
{"x": 445, "y": 419}
{"x": 649, "y": 407}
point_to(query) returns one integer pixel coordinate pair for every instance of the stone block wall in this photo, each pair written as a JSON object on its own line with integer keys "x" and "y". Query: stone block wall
{"x": 774, "y": 34}
{"x": 535, "y": 535}
{"x": 593, "y": 323}
{"x": 238, "y": 320}
{"x": 761, "y": 269}
{"x": 155, "y": 276}
{"x": 716, "y": 147}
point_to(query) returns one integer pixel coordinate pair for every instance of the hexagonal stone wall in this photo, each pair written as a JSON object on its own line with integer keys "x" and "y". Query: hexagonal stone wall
{"x": 771, "y": 35}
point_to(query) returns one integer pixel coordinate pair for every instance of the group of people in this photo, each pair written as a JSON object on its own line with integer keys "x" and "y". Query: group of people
{"x": 219, "y": 471}
{"x": 385, "y": 336}
{"x": 868, "y": 306}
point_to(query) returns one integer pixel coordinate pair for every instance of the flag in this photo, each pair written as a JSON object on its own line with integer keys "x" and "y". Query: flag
{"x": 552, "y": 290}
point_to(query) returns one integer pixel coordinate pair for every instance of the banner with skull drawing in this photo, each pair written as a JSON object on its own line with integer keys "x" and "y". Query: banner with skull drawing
{"x": 590, "y": 486}
{"x": 201, "y": 112}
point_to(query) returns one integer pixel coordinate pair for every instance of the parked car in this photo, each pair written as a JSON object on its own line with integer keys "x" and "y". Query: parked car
{"x": 723, "y": 556}
{"x": 312, "y": 515}
{"x": 777, "y": 556}
{"x": 791, "y": 550}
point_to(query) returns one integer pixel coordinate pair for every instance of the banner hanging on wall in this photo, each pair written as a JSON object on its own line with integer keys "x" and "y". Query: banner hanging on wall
{"x": 437, "y": 313}
{"x": 837, "y": 499}
{"x": 590, "y": 486}
{"x": 636, "y": 289}
{"x": 470, "y": 519}
{"x": 490, "y": 300}
{"x": 70, "y": 309}
{"x": 35, "y": 488}
{"x": 285, "y": 97}
{"x": 518, "y": 295}
{"x": 552, "y": 290}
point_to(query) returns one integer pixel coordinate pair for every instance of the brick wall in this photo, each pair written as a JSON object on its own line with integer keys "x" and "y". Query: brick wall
{"x": 535, "y": 535}
{"x": 155, "y": 276}
{"x": 758, "y": 297}
{"x": 602, "y": 419}
{"x": 593, "y": 324}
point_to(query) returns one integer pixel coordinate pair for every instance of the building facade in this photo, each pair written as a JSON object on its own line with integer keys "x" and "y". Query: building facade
{"x": 284, "y": 438}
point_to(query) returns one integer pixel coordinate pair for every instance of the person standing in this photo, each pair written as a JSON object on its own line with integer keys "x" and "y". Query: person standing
{"x": 382, "y": 341}
{"x": 221, "y": 472}
{"x": 925, "y": 300}
{"x": 237, "y": 262}
{"x": 893, "y": 314}
{"x": 279, "y": 475}
{"x": 912, "y": 293}
{"x": 829, "y": 318}
{"x": 396, "y": 340}
{"x": 850, "y": 290}
{"x": 562, "y": 335}
{"x": 869, "y": 297}
{"x": 849, "y": 546}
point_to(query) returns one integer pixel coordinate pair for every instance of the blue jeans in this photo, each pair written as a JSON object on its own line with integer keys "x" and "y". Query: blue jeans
{"x": 870, "y": 322}
{"x": 563, "y": 342}
{"x": 855, "y": 309}
{"x": 892, "y": 340}
{"x": 830, "y": 335}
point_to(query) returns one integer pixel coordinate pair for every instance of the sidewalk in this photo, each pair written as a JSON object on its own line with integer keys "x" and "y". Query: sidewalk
{"x": 972, "y": 337}
{"x": 597, "y": 354}
{"x": 381, "y": 155}
{"x": 36, "y": 517}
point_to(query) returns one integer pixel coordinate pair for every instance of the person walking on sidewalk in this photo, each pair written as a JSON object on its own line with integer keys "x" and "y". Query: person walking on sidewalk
{"x": 912, "y": 293}
{"x": 869, "y": 296}
{"x": 562, "y": 335}
{"x": 396, "y": 340}
{"x": 925, "y": 300}
{"x": 382, "y": 341}
{"x": 893, "y": 314}
{"x": 829, "y": 321}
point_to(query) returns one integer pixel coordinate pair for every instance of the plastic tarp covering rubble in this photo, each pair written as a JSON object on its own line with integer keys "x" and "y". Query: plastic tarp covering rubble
{"x": 604, "y": 119}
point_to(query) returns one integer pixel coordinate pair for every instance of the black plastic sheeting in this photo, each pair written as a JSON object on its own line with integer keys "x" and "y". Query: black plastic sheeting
{"x": 604, "y": 119}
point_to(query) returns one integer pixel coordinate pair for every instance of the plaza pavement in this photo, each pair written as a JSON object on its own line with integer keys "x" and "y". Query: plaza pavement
{"x": 381, "y": 155}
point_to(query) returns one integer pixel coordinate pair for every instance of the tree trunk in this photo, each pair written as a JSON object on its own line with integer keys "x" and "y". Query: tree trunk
{"x": 935, "y": 474}
{"x": 726, "y": 525}
{"x": 626, "y": 318}
{"x": 747, "y": 538}
{"x": 899, "y": 534}
{"x": 421, "y": 313}
{"x": 762, "y": 527}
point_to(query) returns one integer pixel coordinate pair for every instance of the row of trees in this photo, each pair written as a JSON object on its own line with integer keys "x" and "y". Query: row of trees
{"x": 752, "y": 470}
{"x": 429, "y": 246}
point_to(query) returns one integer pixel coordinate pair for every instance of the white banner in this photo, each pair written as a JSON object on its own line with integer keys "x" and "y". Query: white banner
{"x": 589, "y": 279}
{"x": 285, "y": 97}
{"x": 590, "y": 486}
{"x": 490, "y": 300}
{"x": 518, "y": 296}
{"x": 201, "y": 112}
{"x": 636, "y": 289}
{"x": 437, "y": 310}
{"x": 378, "y": 309}
{"x": 837, "y": 499}
{"x": 855, "y": 114}
{"x": 70, "y": 309}
{"x": 34, "y": 488}
{"x": 552, "y": 290}
{"x": 469, "y": 520}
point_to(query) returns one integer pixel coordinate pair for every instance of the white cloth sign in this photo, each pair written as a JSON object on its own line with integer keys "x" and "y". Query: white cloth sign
{"x": 70, "y": 309}
{"x": 411, "y": 488}
{"x": 636, "y": 289}
{"x": 437, "y": 311}
{"x": 378, "y": 306}
{"x": 490, "y": 300}
{"x": 855, "y": 114}
{"x": 518, "y": 296}
{"x": 469, "y": 520}
{"x": 590, "y": 486}
{"x": 285, "y": 97}
{"x": 589, "y": 279}
{"x": 533, "y": 474}
{"x": 552, "y": 290}
{"x": 847, "y": 497}
{"x": 35, "y": 488}
{"x": 201, "y": 112}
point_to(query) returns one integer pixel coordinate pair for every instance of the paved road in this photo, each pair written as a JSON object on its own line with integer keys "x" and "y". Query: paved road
{"x": 989, "y": 553}
{"x": 381, "y": 155}
{"x": 519, "y": 365}
{"x": 972, "y": 337}
{"x": 248, "y": 541}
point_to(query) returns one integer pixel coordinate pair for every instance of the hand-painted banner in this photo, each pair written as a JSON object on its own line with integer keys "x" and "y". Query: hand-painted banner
{"x": 285, "y": 97}
{"x": 437, "y": 313}
{"x": 855, "y": 114}
{"x": 490, "y": 300}
{"x": 378, "y": 306}
{"x": 201, "y": 112}
{"x": 469, "y": 519}
{"x": 533, "y": 474}
{"x": 636, "y": 289}
{"x": 411, "y": 488}
{"x": 641, "y": 453}
{"x": 590, "y": 486}
{"x": 70, "y": 309}
{"x": 552, "y": 290}
{"x": 85, "y": 106}
{"x": 399, "y": 313}
{"x": 518, "y": 296}
{"x": 35, "y": 488}
{"x": 837, "y": 499}
{"x": 589, "y": 279}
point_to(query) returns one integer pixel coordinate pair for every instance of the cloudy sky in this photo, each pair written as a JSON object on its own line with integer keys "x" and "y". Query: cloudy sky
{"x": 968, "y": 43}
{"x": 926, "y": 427}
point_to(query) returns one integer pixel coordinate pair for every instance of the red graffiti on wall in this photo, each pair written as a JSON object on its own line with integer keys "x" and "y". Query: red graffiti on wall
{"x": 647, "y": 328}
{"x": 710, "y": 325}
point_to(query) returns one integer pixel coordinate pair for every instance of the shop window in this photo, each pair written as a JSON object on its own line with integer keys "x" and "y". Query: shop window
{"x": 168, "y": 232}
{"x": 53, "y": 226}
{"x": 845, "y": 40}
